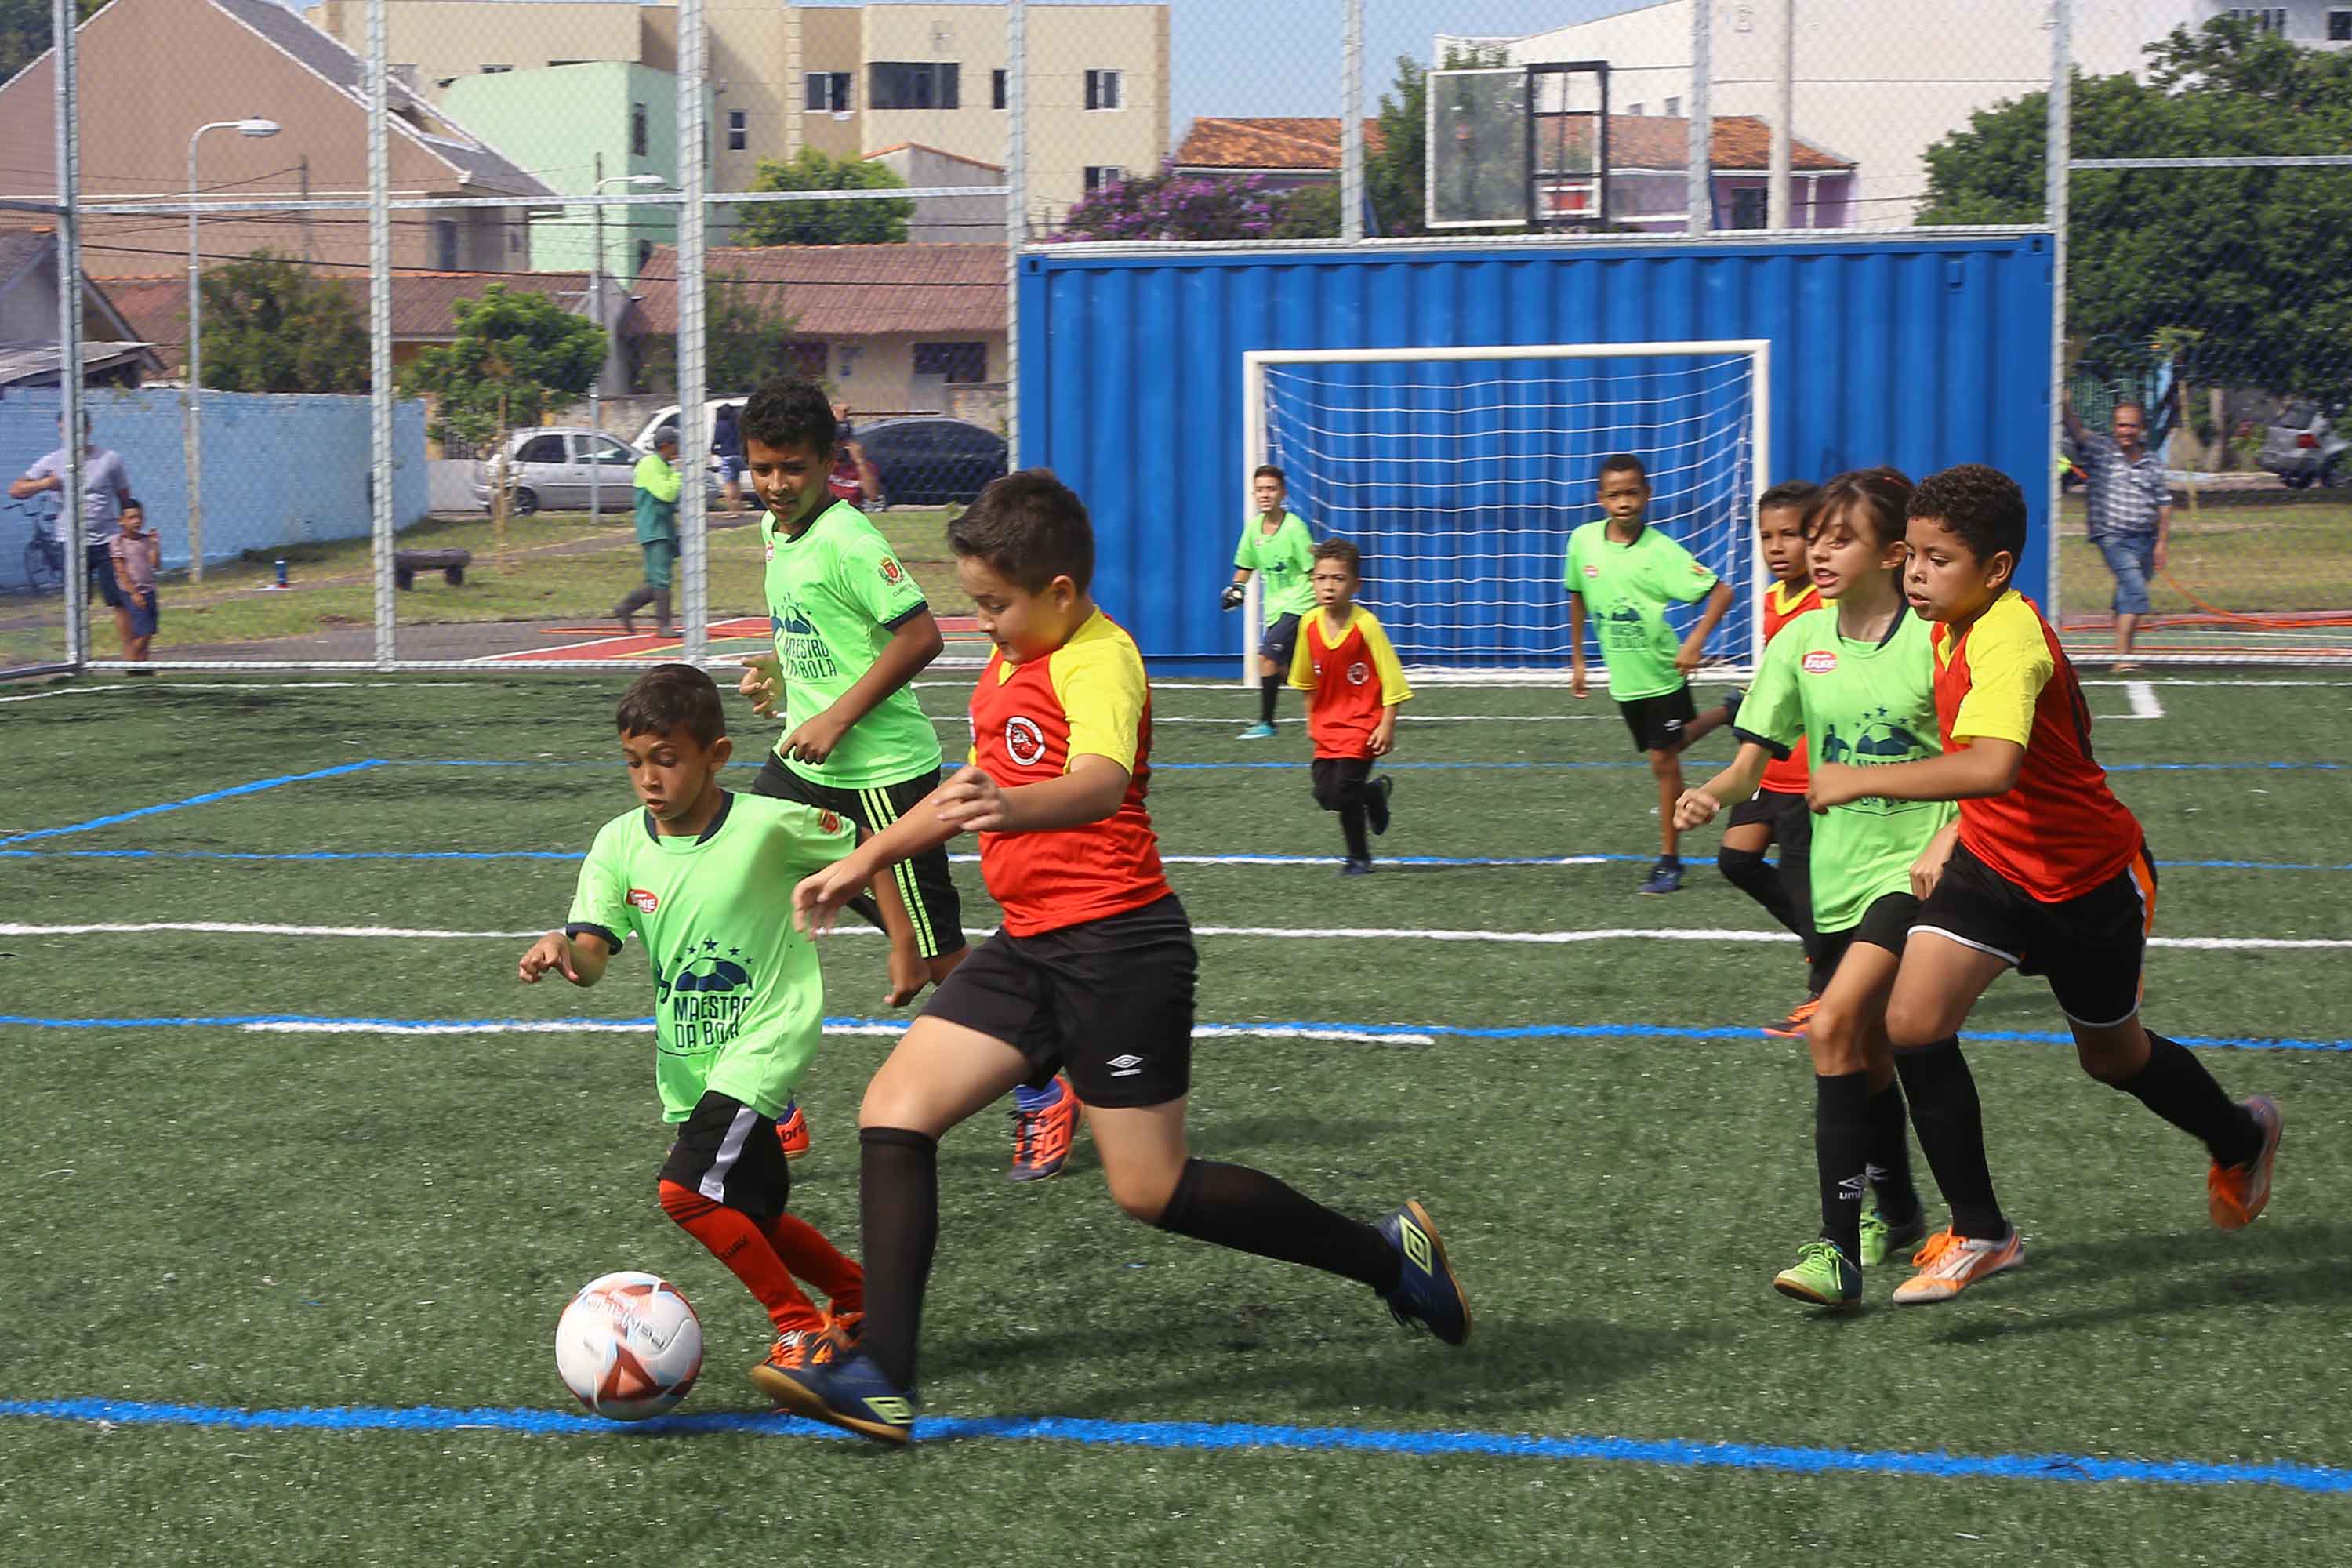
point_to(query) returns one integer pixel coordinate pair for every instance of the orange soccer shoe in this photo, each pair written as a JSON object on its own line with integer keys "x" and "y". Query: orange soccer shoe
{"x": 792, "y": 1133}
{"x": 2236, "y": 1196}
{"x": 1949, "y": 1264}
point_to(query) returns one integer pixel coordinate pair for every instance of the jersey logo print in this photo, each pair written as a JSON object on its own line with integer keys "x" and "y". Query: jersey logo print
{"x": 644, "y": 901}
{"x": 1591, "y": 570}
{"x": 1125, "y": 1065}
{"x": 1024, "y": 743}
{"x": 890, "y": 572}
{"x": 1359, "y": 673}
{"x": 706, "y": 998}
{"x": 802, "y": 652}
{"x": 1820, "y": 661}
{"x": 827, "y": 823}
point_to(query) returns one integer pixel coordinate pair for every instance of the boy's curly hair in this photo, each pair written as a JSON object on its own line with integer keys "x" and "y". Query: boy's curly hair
{"x": 1982, "y": 505}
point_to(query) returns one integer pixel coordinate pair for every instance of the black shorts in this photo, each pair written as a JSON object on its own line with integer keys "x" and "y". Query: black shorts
{"x": 924, "y": 884}
{"x": 728, "y": 1152}
{"x": 1340, "y": 781}
{"x": 102, "y": 574}
{"x": 2090, "y": 948}
{"x": 1788, "y": 816}
{"x": 1109, "y": 1002}
{"x": 1884, "y": 925}
{"x": 1281, "y": 638}
{"x": 1657, "y": 721}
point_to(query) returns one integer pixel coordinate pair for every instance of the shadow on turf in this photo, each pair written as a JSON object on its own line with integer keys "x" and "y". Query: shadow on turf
{"x": 2270, "y": 1266}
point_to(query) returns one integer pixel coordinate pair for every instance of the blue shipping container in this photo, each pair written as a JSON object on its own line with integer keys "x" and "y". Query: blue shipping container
{"x": 1917, "y": 351}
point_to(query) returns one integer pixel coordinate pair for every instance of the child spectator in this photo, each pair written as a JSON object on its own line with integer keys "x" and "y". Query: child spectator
{"x": 1353, "y": 684}
{"x": 136, "y": 556}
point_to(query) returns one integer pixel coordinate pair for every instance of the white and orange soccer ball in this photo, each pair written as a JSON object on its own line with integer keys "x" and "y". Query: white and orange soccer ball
{"x": 629, "y": 1346}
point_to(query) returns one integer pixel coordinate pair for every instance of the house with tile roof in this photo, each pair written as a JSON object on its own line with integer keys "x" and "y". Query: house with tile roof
{"x": 153, "y": 70}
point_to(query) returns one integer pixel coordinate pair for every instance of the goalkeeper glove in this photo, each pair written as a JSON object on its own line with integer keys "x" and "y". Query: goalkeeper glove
{"x": 1235, "y": 595}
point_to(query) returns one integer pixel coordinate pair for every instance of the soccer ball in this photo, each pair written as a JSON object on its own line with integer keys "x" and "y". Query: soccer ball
{"x": 629, "y": 1346}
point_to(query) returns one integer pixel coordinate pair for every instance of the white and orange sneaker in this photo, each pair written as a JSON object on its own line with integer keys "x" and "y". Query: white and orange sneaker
{"x": 2236, "y": 1196}
{"x": 1949, "y": 1264}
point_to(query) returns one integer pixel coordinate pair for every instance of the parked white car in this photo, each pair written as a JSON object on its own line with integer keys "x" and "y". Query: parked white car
{"x": 552, "y": 468}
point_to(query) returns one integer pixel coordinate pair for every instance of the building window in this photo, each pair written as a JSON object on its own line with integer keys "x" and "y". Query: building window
{"x": 444, "y": 244}
{"x": 1750, "y": 208}
{"x": 1102, "y": 177}
{"x": 738, "y": 130}
{"x": 828, "y": 92}
{"x": 1104, "y": 88}
{"x": 640, "y": 134}
{"x": 1637, "y": 110}
{"x": 552, "y": 64}
{"x": 2265, "y": 18}
{"x": 1673, "y": 108}
{"x": 955, "y": 362}
{"x": 645, "y": 253}
{"x": 805, "y": 357}
{"x": 996, "y": 88}
{"x": 2340, "y": 26}
{"x": 913, "y": 84}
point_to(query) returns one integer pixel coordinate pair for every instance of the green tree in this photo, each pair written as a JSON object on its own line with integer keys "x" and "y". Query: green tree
{"x": 273, "y": 326}
{"x": 2245, "y": 274}
{"x": 514, "y": 358}
{"x": 882, "y": 222}
{"x": 26, "y": 33}
{"x": 1396, "y": 176}
{"x": 747, "y": 339}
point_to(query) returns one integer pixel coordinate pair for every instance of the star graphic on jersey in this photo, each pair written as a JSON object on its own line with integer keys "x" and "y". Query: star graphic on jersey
{"x": 734, "y": 953}
{"x": 711, "y": 944}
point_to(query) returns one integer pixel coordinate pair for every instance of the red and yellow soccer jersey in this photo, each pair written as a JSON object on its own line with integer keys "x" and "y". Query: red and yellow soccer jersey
{"x": 1789, "y": 774}
{"x": 1029, "y": 723}
{"x": 1347, "y": 682}
{"x": 2060, "y": 831}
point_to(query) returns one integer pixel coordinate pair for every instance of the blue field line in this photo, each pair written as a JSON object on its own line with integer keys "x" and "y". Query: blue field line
{"x": 256, "y": 787}
{"x": 1221, "y": 1437}
{"x": 1247, "y": 859}
{"x": 1296, "y": 1027}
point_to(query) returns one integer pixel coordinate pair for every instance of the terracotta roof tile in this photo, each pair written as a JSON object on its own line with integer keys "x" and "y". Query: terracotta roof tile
{"x": 1281, "y": 142}
{"x": 1742, "y": 142}
{"x": 424, "y": 304}
{"x": 845, "y": 290}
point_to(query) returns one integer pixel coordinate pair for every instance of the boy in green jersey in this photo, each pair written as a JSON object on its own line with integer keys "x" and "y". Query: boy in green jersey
{"x": 705, "y": 878}
{"x": 657, "y": 485}
{"x": 1625, "y": 572}
{"x": 852, "y": 631}
{"x": 1274, "y": 545}
{"x": 1854, "y": 679}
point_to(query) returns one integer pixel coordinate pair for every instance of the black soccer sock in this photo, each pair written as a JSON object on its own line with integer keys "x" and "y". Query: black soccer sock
{"x": 898, "y": 1208}
{"x": 2176, "y": 1085}
{"x": 1352, "y": 823}
{"x": 1759, "y": 879}
{"x": 1841, "y": 1142}
{"x": 1797, "y": 880}
{"x": 1950, "y": 1124}
{"x": 1249, "y": 1210}
{"x": 1268, "y": 691}
{"x": 1889, "y": 1149}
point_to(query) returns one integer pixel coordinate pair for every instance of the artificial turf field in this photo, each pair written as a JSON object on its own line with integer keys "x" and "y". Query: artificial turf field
{"x": 315, "y": 1265}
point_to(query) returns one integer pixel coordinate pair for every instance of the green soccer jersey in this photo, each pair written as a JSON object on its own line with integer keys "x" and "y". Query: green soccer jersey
{"x": 1626, "y": 589}
{"x": 738, "y": 998}
{"x": 1864, "y": 704}
{"x": 835, "y": 595}
{"x": 1284, "y": 562}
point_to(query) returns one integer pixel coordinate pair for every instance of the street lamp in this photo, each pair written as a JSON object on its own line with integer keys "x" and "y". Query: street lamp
{"x": 192, "y": 436}
{"x": 597, "y": 313}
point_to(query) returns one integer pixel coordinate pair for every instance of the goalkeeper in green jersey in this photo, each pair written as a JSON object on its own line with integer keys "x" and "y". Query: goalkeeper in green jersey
{"x": 1276, "y": 546}
{"x": 704, "y": 878}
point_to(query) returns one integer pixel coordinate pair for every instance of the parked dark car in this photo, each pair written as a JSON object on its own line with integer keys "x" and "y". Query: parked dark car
{"x": 927, "y": 461}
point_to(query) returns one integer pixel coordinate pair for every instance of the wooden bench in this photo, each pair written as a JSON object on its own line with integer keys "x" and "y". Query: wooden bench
{"x": 450, "y": 564}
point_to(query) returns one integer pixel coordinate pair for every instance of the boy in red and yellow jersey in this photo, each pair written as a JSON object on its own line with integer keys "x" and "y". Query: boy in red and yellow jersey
{"x": 1092, "y": 973}
{"x": 1353, "y": 684}
{"x": 1777, "y": 811}
{"x": 2044, "y": 871}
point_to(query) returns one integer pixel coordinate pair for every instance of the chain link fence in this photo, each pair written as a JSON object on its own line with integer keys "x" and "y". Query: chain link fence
{"x": 375, "y": 306}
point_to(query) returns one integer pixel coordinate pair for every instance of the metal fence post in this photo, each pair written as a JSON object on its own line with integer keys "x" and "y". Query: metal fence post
{"x": 1699, "y": 181}
{"x": 1016, "y": 211}
{"x": 70, "y": 525}
{"x": 693, "y": 372}
{"x": 380, "y": 492}
{"x": 2060, "y": 138}
{"x": 1352, "y": 123}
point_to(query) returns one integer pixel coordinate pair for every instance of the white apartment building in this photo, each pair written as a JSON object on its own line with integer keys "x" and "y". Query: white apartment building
{"x": 1880, "y": 81}
{"x": 845, "y": 79}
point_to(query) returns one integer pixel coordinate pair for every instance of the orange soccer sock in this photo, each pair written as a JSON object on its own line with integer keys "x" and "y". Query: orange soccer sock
{"x": 736, "y": 1239}
{"x": 807, "y": 1253}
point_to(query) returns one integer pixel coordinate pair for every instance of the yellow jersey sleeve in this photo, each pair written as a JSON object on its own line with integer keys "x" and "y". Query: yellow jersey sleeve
{"x": 1393, "y": 689}
{"x": 1098, "y": 679}
{"x": 2009, "y": 664}
{"x": 1302, "y": 659}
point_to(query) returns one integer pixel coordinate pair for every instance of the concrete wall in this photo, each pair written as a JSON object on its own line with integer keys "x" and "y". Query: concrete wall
{"x": 277, "y": 469}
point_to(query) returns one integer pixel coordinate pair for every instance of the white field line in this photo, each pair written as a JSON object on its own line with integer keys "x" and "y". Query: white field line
{"x": 884, "y": 1031}
{"x": 234, "y": 686}
{"x": 1280, "y": 933}
{"x": 2140, "y": 695}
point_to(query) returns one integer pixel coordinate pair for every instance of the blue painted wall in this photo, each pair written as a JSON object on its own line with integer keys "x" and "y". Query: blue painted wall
{"x": 1913, "y": 352}
{"x": 278, "y": 470}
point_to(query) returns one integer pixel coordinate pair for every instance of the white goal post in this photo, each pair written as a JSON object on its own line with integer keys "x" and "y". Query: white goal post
{"x": 1461, "y": 471}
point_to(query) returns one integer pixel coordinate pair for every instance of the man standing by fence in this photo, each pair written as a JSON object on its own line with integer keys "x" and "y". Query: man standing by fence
{"x": 105, "y": 491}
{"x": 659, "y": 485}
{"x": 2130, "y": 511}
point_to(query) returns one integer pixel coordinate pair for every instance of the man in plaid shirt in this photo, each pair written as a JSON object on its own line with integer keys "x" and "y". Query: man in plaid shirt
{"x": 2130, "y": 508}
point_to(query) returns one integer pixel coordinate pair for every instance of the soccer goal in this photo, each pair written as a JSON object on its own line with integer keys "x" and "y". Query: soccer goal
{"x": 1461, "y": 471}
